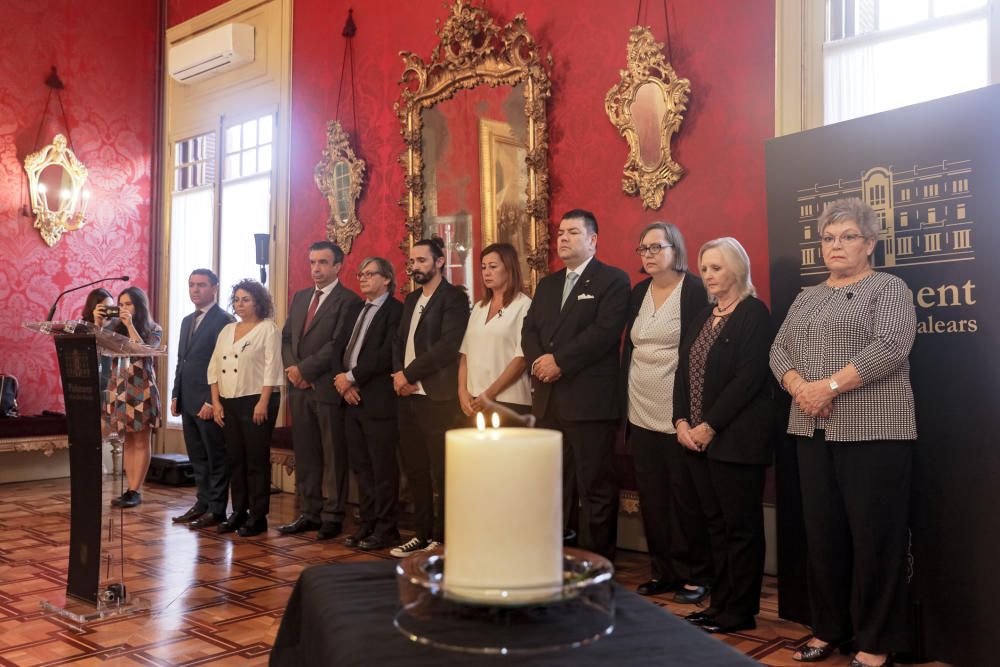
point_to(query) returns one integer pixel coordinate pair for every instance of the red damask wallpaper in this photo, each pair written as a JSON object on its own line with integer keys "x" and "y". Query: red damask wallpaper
{"x": 105, "y": 54}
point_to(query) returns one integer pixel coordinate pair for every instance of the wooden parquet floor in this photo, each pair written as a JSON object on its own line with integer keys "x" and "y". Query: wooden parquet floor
{"x": 216, "y": 599}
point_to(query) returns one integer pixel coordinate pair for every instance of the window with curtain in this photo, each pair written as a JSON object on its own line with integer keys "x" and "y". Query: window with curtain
{"x": 884, "y": 54}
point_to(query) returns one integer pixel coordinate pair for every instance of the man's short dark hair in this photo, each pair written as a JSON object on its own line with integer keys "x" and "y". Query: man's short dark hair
{"x": 338, "y": 254}
{"x": 589, "y": 221}
{"x": 208, "y": 273}
{"x": 435, "y": 243}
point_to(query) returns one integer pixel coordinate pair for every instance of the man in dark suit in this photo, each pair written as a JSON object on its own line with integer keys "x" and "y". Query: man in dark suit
{"x": 570, "y": 337}
{"x": 425, "y": 358}
{"x": 191, "y": 400}
{"x": 362, "y": 364}
{"x": 315, "y": 318}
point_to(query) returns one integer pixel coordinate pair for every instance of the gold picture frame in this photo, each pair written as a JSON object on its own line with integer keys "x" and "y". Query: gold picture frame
{"x": 339, "y": 176}
{"x": 647, "y": 107}
{"x": 56, "y": 167}
{"x": 474, "y": 50}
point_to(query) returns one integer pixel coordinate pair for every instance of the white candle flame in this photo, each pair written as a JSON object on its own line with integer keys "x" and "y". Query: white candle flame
{"x": 495, "y": 420}
{"x": 480, "y": 422}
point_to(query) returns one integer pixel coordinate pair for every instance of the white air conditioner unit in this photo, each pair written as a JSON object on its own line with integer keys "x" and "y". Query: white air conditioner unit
{"x": 211, "y": 53}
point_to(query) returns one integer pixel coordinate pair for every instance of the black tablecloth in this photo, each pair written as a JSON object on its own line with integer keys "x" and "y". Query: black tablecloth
{"x": 342, "y": 615}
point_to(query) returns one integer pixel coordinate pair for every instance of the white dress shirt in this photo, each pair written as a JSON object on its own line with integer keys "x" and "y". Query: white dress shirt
{"x": 244, "y": 367}
{"x": 490, "y": 346}
{"x": 410, "y": 352}
{"x": 369, "y": 316}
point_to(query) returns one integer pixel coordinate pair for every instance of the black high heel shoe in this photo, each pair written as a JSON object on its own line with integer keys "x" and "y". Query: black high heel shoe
{"x": 821, "y": 653}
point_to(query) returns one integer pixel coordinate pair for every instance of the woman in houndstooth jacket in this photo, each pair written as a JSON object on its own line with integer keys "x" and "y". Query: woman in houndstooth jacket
{"x": 843, "y": 355}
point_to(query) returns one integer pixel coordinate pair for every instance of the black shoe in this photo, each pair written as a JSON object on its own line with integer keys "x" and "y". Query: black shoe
{"x": 253, "y": 527}
{"x": 360, "y": 534}
{"x": 655, "y": 587}
{"x": 820, "y": 653}
{"x": 300, "y": 525}
{"x": 189, "y": 516}
{"x": 691, "y": 595}
{"x": 700, "y": 617}
{"x": 885, "y": 663}
{"x": 376, "y": 542}
{"x": 329, "y": 529}
{"x": 208, "y": 520}
{"x": 714, "y": 627}
{"x": 232, "y": 524}
{"x": 128, "y": 499}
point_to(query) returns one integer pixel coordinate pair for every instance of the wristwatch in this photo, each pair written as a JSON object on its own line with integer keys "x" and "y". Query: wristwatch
{"x": 834, "y": 387}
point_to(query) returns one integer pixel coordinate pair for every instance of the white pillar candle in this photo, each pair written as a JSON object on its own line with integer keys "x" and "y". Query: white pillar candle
{"x": 503, "y": 514}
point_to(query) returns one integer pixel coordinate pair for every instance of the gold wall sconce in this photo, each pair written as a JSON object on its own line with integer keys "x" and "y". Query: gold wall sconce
{"x": 56, "y": 180}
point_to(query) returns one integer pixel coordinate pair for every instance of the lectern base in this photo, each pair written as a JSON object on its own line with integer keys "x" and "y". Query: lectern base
{"x": 81, "y": 613}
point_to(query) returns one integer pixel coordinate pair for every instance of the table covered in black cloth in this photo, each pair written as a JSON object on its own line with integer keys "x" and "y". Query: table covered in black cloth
{"x": 342, "y": 614}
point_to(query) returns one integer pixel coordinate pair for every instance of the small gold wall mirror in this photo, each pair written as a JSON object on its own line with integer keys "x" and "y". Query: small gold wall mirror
{"x": 339, "y": 176}
{"x": 55, "y": 182}
{"x": 647, "y": 106}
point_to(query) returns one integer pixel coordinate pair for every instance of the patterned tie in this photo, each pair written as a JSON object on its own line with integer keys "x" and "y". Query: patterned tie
{"x": 312, "y": 309}
{"x": 568, "y": 287}
{"x": 355, "y": 335}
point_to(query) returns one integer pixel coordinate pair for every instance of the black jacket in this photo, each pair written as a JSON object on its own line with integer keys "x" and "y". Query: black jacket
{"x": 438, "y": 336}
{"x": 191, "y": 375}
{"x": 372, "y": 374}
{"x": 584, "y": 338}
{"x": 738, "y": 395}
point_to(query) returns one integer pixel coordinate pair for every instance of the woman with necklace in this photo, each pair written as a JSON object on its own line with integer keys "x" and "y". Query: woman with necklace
{"x": 842, "y": 353}
{"x": 723, "y": 412}
{"x": 245, "y": 376}
{"x": 661, "y": 309}
{"x": 491, "y": 363}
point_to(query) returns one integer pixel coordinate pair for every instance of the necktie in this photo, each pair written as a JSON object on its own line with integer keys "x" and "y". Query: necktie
{"x": 355, "y": 336}
{"x": 194, "y": 324}
{"x": 312, "y": 310}
{"x": 568, "y": 286}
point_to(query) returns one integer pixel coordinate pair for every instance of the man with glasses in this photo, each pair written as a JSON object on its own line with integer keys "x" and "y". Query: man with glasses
{"x": 362, "y": 367}
{"x": 570, "y": 339}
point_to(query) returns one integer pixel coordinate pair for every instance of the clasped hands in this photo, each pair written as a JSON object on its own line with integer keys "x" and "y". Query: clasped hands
{"x": 294, "y": 376}
{"x": 401, "y": 385}
{"x": 696, "y": 439}
{"x": 472, "y": 404}
{"x": 347, "y": 389}
{"x": 546, "y": 369}
{"x": 814, "y": 398}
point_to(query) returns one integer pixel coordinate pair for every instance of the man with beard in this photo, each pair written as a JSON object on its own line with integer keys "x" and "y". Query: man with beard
{"x": 425, "y": 358}
{"x": 315, "y": 318}
{"x": 570, "y": 338}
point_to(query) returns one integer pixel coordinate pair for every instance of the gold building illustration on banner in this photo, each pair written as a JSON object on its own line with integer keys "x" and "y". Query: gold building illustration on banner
{"x": 924, "y": 214}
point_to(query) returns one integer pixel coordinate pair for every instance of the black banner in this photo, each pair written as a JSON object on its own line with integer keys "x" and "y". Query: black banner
{"x": 932, "y": 173}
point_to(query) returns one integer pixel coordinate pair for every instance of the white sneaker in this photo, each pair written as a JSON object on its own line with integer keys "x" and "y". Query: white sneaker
{"x": 413, "y": 546}
{"x": 432, "y": 545}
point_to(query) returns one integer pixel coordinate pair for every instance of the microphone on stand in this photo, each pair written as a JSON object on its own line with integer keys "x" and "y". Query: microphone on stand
{"x": 52, "y": 310}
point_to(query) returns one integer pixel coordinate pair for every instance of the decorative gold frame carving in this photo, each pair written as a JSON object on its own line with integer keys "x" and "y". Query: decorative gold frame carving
{"x": 51, "y": 224}
{"x": 474, "y": 50}
{"x": 338, "y": 149}
{"x": 646, "y": 64}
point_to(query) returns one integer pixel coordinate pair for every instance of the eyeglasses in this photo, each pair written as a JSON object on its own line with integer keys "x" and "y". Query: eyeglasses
{"x": 367, "y": 275}
{"x": 846, "y": 239}
{"x": 653, "y": 249}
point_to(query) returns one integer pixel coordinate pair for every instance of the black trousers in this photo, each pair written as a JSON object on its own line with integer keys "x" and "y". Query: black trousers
{"x": 675, "y": 529}
{"x": 856, "y": 505}
{"x": 731, "y": 497}
{"x": 371, "y": 445}
{"x": 206, "y": 450}
{"x": 422, "y": 424}
{"x": 589, "y": 474}
{"x": 321, "y": 466}
{"x": 248, "y": 453}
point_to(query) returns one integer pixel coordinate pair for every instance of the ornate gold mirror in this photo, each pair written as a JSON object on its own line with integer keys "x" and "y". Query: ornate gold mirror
{"x": 476, "y": 157}
{"x": 339, "y": 176}
{"x": 55, "y": 182}
{"x": 647, "y": 106}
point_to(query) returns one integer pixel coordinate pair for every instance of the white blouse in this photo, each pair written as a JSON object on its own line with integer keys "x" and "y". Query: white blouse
{"x": 656, "y": 336}
{"x": 490, "y": 346}
{"x": 243, "y": 367}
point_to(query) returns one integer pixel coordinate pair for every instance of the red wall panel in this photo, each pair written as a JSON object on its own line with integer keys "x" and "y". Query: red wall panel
{"x": 105, "y": 54}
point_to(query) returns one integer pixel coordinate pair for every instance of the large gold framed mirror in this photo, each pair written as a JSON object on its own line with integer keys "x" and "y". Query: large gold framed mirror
{"x": 55, "y": 183}
{"x": 476, "y": 152}
{"x": 647, "y": 107}
{"x": 339, "y": 176}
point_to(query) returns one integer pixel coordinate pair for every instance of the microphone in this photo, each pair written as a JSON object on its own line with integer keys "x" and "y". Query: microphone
{"x": 52, "y": 310}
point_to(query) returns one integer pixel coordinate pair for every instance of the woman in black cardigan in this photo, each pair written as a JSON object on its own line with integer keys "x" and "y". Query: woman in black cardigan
{"x": 661, "y": 307}
{"x": 724, "y": 417}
